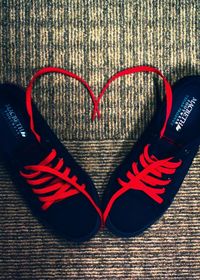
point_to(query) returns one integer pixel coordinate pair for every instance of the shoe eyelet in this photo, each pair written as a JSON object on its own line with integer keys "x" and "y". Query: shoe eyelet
{"x": 187, "y": 151}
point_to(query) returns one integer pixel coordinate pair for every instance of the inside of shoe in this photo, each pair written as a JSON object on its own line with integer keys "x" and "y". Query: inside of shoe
{"x": 16, "y": 134}
{"x": 184, "y": 122}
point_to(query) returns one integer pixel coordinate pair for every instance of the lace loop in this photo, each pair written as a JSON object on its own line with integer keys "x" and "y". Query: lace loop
{"x": 47, "y": 70}
{"x": 138, "y": 69}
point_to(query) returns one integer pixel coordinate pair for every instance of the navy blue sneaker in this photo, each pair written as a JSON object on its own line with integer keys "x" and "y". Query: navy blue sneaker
{"x": 145, "y": 184}
{"x": 58, "y": 190}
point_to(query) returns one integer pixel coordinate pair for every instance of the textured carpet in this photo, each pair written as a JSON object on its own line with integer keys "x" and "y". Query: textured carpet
{"x": 95, "y": 39}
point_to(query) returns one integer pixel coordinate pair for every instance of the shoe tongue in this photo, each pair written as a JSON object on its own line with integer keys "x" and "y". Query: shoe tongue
{"x": 163, "y": 149}
{"x": 33, "y": 154}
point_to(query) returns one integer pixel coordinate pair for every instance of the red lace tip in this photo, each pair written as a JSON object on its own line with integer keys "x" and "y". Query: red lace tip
{"x": 96, "y": 114}
{"x": 102, "y": 225}
{"x": 93, "y": 116}
{"x": 99, "y": 115}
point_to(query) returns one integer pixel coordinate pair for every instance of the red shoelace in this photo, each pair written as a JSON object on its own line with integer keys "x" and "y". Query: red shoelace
{"x": 143, "y": 180}
{"x": 148, "y": 180}
{"x": 62, "y": 189}
{"x": 48, "y": 70}
{"x": 47, "y": 181}
{"x": 59, "y": 183}
{"x": 64, "y": 186}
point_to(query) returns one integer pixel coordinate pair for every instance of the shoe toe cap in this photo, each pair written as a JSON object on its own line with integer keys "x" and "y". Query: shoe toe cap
{"x": 75, "y": 219}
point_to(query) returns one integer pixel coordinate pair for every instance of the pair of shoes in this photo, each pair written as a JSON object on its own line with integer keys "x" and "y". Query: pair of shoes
{"x": 62, "y": 195}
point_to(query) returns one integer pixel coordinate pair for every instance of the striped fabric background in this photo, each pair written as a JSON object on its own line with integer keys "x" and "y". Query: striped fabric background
{"x": 95, "y": 39}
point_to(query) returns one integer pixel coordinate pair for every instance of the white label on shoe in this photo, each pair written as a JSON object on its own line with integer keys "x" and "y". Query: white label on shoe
{"x": 13, "y": 121}
{"x": 183, "y": 112}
